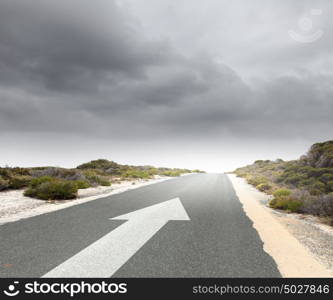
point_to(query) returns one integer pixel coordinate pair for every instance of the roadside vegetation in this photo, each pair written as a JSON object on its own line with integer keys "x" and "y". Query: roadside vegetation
{"x": 304, "y": 185}
{"x": 53, "y": 183}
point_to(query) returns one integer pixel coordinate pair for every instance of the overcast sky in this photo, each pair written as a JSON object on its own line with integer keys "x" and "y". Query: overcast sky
{"x": 210, "y": 84}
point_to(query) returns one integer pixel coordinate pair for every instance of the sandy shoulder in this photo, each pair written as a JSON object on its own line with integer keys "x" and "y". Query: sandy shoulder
{"x": 291, "y": 257}
{"x": 15, "y": 206}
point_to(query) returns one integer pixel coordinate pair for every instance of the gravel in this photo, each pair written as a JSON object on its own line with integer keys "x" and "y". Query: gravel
{"x": 316, "y": 237}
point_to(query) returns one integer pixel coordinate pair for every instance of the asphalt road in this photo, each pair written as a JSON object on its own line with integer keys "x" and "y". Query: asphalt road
{"x": 217, "y": 241}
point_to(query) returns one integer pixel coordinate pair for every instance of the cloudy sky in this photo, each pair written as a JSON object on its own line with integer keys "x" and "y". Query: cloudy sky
{"x": 211, "y": 84}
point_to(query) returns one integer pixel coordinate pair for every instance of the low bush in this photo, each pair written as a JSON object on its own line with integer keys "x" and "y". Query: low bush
{"x": 327, "y": 177}
{"x": 317, "y": 188}
{"x": 259, "y": 161}
{"x": 104, "y": 181}
{"x": 197, "y": 171}
{"x": 82, "y": 184}
{"x": 319, "y": 205}
{"x": 330, "y": 186}
{"x": 264, "y": 187}
{"x": 132, "y": 173}
{"x": 4, "y": 184}
{"x": 105, "y": 166}
{"x": 8, "y": 172}
{"x": 61, "y": 173}
{"x": 172, "y": 173}
{"x": 19, "y": 181}
{"x": 293, "y": 179}
{"x": 284, "y": 199}
{"x": 286, "y": 203}
{"x": 95, "y": 179}
{"x": 39, "y": 180}
{"x": 55, "y": 189}
{"x": 152, "y": 171}
{"x": 256, "y": 180}
{"x": 282, "y": 193}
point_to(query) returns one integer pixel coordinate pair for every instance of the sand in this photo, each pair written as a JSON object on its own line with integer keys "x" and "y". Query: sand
{"x": 291, "y": 257}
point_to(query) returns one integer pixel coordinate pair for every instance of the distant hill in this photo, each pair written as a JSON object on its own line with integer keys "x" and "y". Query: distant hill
{"x": 307, "y": 182}
{"x": 126, "y": 171}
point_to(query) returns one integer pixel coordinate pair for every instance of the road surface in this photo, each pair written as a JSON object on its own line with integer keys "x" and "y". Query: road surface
{"x": 205, "y": 233}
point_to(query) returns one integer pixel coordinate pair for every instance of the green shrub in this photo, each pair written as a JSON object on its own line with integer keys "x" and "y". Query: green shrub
{"x": 197, "y": 171}
{"x": 95, "y": 179}
{"x": 305, "y": 183}
{"x": 55, "y": 189}
{"x": 293, "y": 179}
{"x": 172, "y": 173}
{"x": 82, "y": 184}
{"x": 7, "y": 172}
{"x": 317, "y": 188}
{"x": 286, "y": 203}
{"x": 61, "y": 173}
{"x": 257, "y": 180}
{"x": 90, "y": 174}
{"x": 95, "y": 164}
{"x": 103, "y": 165}
{"x": 152, "y": 171}
{"x": 264, "y": 187}
{"x": 282, "y": 193}
{"x": 241, "y": 173}
{"x": 327, "y": 177}
{"x": 294, "y": 205}
{"x": 284, "y": 200}
{"x": 4, "y": 184}
{"x": 39, "y": 180}
{"x": 19, "y": 181}
{"x": 259, "y": 161}
{"x": 330, "y": 186}
{"x": 104, "y": 182}
{"x": 132, "y": 173}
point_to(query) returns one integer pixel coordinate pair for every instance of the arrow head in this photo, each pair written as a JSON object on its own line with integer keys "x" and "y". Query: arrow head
{"x": 168, "y": 210}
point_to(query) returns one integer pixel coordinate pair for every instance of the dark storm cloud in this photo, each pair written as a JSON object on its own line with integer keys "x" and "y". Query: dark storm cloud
{"x": 70, "y": 44}
{"x": 87, "y": 67}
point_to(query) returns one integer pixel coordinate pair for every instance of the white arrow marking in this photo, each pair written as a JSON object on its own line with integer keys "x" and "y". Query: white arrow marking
{"x": 105, "y": 256}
